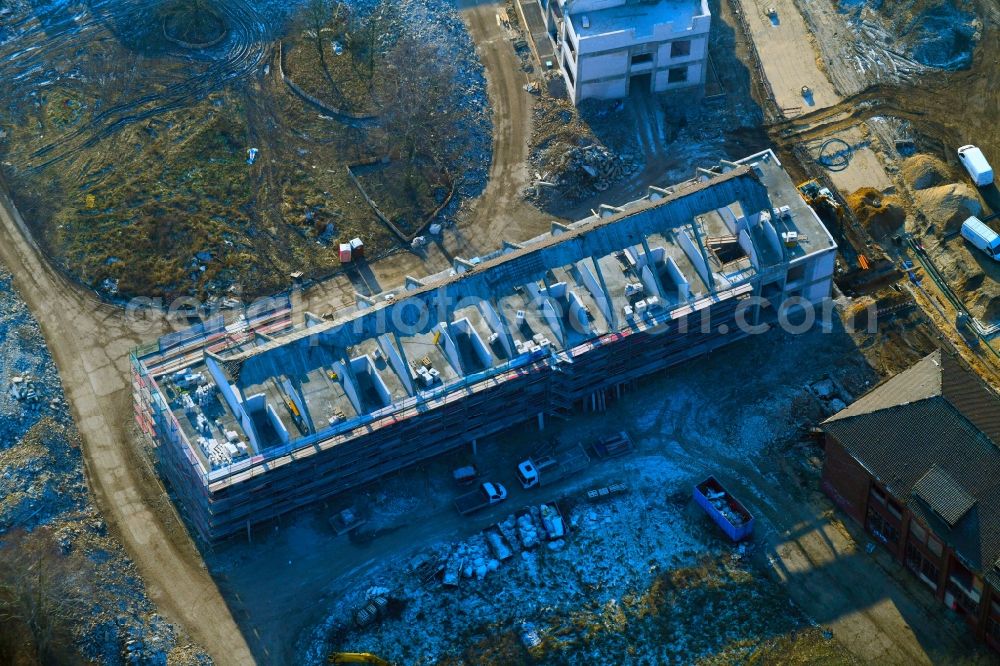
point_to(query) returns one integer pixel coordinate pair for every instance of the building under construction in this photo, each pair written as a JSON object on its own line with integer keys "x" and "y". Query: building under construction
{"x": 258, "y": 417}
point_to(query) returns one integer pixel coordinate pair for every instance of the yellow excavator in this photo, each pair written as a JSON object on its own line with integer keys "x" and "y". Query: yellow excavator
{"x": 821, "y": 199}
{"x": 356, "y": 658}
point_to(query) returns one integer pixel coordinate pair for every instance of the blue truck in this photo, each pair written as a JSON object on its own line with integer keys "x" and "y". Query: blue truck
{"x": 727, "y": 511}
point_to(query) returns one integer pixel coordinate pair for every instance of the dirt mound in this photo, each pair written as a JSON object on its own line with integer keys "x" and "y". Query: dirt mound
{"x": 882, "y": 214}
{"x": 973, "y": 275}
{"x": 947, "y": 206}
{"x": 922, "y": 171}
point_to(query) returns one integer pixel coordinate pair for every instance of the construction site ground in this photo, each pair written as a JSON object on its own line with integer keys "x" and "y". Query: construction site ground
{"x": 280, "y": 588}
{"x": 693, "y": 421}
{"x": 889, "y": 108}
{"x": 784, "y": 43}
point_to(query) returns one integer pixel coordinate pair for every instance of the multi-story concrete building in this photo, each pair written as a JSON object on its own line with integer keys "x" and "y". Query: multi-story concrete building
{"x": 608, "y": 47}
{"x": 916, "y": 462}
{"x": 259, "y": 417}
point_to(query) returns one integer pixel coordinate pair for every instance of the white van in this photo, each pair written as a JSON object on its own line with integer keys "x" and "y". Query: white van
{"x": 975, "y": 163}
{"x": 976, "y": 232}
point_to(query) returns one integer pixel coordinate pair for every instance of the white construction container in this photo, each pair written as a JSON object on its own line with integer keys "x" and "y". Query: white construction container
{"x": 975, "y": 163}
{"x": 633, "y": 288}
{"x": 980, "y": 235}
{"x": 357, "y": 248}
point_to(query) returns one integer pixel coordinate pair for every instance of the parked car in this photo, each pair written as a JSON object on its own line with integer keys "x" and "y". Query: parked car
{"x": 485, "y": 495}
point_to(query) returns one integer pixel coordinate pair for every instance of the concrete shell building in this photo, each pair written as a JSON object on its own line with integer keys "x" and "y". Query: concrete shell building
{"x": 277, "y": 410}
{"x": 608, "y": 47}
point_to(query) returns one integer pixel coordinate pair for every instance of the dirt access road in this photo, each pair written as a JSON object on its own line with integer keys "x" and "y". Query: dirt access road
{"x": 90, "y": 343}
{"x": 500, "y": 212}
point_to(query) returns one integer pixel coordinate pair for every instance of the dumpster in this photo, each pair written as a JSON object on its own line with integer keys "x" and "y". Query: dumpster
{"x": 727, "y": 511}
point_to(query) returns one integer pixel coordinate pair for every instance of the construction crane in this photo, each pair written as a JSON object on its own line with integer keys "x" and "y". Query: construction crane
{"x": 356, "y": 658}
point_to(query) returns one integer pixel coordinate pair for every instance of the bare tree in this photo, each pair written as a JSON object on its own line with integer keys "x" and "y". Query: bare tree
{"x": 40, "y": 595}
{"x": 416, "y": 99}
{"x": 317, "y": 16}
{"x": 370, "y": 32}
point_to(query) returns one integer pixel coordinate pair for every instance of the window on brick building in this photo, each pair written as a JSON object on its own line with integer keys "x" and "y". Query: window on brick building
{"x": 881, "y": 528}
{"x": 877, "y": 495}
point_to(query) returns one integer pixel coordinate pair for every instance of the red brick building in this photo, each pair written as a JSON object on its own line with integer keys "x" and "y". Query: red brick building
{"x": 916, "y": 462}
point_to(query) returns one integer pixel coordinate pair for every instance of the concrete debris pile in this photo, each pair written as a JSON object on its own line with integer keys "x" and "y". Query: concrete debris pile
{"x": 439, "y": 24}
{"x": 23, "y": 389}
{"x": 576, "y": 172}
{"x": 831, "y": 396}
{"x": 31, "y": 382}
{"x": 527, "y": 532}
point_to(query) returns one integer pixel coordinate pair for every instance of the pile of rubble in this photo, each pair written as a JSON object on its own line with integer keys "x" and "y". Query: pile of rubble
{"x": 23, "y": 389}
{"x": 576, "y": 172}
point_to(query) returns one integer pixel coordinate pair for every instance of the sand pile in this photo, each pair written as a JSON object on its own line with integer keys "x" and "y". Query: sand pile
{"x": 922, "y": 171}
{"x": 947, "y": 206}
{"x": 882, "y": 214}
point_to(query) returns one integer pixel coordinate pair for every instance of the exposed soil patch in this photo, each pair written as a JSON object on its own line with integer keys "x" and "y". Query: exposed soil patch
{"x": 882, "y": 214}
{"x": 947, "y": 206}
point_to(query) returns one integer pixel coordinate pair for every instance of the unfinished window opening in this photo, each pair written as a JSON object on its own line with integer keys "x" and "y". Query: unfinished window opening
{"x": 677, "y": 75}
{"x": 935, "y": 545}
{"x": 640, "y": 81}
{"x": 796, "y": 273}
{"x": 727, "y": 250}
{"x": 772, "y": 291}
{"x": 642, "y": 59}
{"x": 994, "y": 629}
{"x": 569, "y": 75}
{"x": 680, "y": 49}
{"x": 960, "y": 587}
